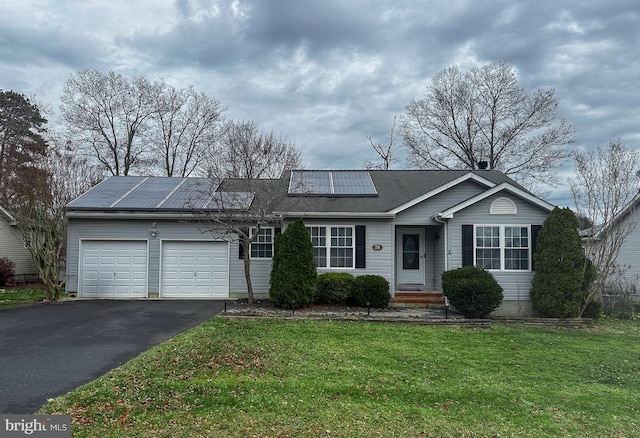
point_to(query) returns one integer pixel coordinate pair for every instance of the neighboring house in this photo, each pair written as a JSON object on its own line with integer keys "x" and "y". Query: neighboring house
{"x": 12, "y": 247}
{"x": 133, "y": 237}
{"x": 625, "y": 227}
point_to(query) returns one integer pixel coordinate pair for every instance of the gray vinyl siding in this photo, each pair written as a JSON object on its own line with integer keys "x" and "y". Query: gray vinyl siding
{"x": 516, "y": 285}
{"x": 377, "y": 232}
{"x": 131, "y": 229}
{"x": 629, "y": 255}
{"x": 12, "y": 247}
{"x": 423, "y": 213}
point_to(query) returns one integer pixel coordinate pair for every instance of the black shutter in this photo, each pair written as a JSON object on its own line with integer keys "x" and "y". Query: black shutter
{"x": 361, "y": 246}
{"x": 535, "y": 229}
{"x": 467, "y": 245}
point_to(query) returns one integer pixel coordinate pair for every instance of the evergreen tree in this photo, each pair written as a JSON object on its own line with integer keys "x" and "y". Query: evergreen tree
{"x": 293, "y": 274}
{"x": 559, "y": 262}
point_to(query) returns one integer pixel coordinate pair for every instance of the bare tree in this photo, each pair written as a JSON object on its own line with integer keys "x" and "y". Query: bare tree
{"x": 246, "y": 152}
{"x": 240, "y": 209}
{"x": 106, "y": 114}
{"x": 251, "y": 194}
{"x": 385, "y": 152}
{"x": 62, "y": 176}
{"x": 484, "y": 115}
{"x": 184, "y": 126}
{"x": 605, "y": 190}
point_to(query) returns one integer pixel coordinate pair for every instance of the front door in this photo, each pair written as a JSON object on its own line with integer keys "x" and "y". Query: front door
{"x": 410, "y": 256}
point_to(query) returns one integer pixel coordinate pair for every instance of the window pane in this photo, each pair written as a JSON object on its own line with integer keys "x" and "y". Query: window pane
{"x": 516, "y": 253}
{"x": 262, "y": 247}
{"x": 341, "y": 251}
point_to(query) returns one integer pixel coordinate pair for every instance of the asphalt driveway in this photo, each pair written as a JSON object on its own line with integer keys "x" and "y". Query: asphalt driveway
{"x": 50, "y": 349}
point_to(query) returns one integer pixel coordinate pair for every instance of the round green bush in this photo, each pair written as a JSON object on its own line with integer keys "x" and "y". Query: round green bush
{"x": 373, "y": 289}
{"x": 333, "y": 288}
{"x": 473, "y": 292}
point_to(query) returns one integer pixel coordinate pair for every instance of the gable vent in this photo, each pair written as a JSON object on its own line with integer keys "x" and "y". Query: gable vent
{"x": 503, "y": 206}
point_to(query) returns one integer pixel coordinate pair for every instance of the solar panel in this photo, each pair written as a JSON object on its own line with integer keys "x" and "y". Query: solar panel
{"x": 332, "y": 183}
{"x": 149, "y": 194}
{"x": 107, "y": 192}
{"x": 353, "y": 183}
{"x": 191, "y": 193}
{"x": 310, "y": 181}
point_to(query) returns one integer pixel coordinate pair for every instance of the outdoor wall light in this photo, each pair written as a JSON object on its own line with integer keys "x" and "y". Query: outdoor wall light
{"x": 153, "y": 233}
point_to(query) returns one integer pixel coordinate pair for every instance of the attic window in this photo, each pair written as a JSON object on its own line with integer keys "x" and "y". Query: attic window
{"x": 503, "y": 206}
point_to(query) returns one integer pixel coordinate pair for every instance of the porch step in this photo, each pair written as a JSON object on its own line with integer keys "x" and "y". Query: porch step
{"x": 417, "y": 299}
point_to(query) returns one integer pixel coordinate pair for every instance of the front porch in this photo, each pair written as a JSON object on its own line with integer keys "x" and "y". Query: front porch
{"x": 419, "y": 263}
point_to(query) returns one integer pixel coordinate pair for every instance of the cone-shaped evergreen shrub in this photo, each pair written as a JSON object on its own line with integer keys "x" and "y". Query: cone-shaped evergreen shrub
{"x": 474, "y": 292}
{"x": 557, "y": 286}
{"x": 293, "y": 274}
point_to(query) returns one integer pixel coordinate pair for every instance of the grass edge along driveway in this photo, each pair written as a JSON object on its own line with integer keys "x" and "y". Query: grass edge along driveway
{"x": 231, "y": 377}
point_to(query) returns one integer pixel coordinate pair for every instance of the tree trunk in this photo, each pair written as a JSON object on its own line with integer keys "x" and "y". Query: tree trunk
{"x": 247, "y": 276}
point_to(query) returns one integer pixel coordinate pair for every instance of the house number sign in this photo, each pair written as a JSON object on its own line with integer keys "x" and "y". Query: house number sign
{"x": 376, "y": 247}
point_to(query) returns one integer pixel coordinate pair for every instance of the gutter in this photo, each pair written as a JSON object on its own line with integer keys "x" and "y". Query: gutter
{"x": 438, "y": 218}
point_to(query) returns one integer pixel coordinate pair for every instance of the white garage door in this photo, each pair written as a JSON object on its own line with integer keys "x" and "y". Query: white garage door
{"x": 114, "y": 269}
{"x": 195, "y": 270}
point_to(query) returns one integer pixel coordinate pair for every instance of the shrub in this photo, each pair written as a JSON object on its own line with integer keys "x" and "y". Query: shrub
{"x": 6, "y": 270}
{"x": 370, "y": 288}
{"x": 334, "y": 288}
{"x": 557, "y": 287}
{"x": 472, "y": 291}
{"x": 593, "y": 309}
{"x": 293, "y": 273}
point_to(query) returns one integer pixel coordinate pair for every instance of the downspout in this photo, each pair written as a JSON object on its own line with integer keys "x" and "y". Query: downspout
{"x": 445, "y": 231}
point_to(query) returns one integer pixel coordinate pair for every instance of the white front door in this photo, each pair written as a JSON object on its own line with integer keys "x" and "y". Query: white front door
{"x": 410, "y": 257}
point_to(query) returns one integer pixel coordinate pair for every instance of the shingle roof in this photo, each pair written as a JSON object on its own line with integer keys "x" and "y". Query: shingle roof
{"x": 394, "y": 188}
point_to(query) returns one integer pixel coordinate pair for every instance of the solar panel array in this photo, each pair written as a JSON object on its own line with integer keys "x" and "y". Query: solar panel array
{"x": 161, "y": 193}
{"x": 332, "y": 183}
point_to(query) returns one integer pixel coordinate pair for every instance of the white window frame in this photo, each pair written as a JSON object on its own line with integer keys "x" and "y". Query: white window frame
{"x": 252, "y": 230}
{"x": 328, "y": 245}
{"x": 502, "y": 245}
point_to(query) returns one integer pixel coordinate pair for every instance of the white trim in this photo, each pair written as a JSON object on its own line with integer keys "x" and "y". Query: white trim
{"x": 448, "y": 214}
{"x": 341, "y": 214}
{"x": 11, "y": 219}
{"x": 442, "y": 188}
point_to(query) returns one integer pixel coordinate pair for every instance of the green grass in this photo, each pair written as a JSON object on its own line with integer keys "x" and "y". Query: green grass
{"x": 269, "y": 378}
{"x": 18, "y": 296}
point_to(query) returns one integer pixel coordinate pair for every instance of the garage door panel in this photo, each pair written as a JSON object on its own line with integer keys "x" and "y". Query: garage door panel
{"x": 114, "y": 269}
{"x": 194, "y": 270}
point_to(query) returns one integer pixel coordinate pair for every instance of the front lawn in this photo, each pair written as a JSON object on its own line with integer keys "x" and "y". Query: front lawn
{"x": 21, "y": 295}
{"x": 274, "y": 378}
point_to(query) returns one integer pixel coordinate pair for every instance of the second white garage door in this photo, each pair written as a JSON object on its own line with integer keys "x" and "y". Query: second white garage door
{"x": 195, "y": 269}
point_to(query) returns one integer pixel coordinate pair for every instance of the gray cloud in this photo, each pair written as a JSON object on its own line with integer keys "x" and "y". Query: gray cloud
{"x": 327, "y": 73}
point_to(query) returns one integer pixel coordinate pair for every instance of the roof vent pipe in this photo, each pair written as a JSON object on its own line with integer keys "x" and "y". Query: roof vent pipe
{"x": 482, "y": 165}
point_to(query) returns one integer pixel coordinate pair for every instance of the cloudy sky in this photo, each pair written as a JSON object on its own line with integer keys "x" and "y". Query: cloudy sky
{"x": 328, "y": 73}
